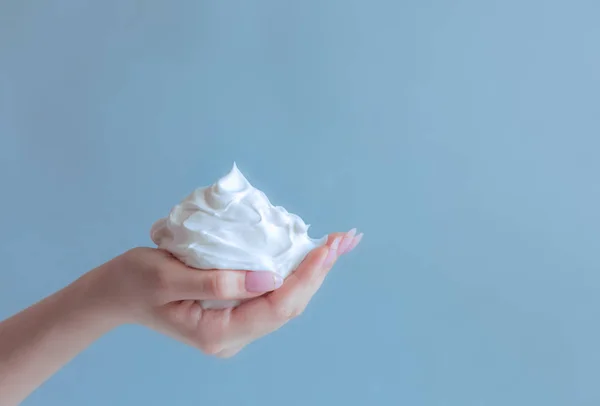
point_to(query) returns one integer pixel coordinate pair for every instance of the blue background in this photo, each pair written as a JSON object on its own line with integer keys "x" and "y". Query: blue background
{"x": 461, "y": 136}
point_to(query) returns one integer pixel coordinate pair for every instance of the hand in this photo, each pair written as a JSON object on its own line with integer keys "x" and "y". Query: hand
{"x": 150, "y": 287}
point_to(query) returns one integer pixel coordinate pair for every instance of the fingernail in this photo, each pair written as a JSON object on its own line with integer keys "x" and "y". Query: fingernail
{"x": 345, "y": 244}
{"x": 332, "y": 255}
{"x": 262, "y": 281}
{"x": 354, "y": 242}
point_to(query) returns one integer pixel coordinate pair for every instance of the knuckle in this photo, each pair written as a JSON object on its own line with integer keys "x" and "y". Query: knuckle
{"x": 287, "y": 312}
{"x": 212, "y": 340}
{"x": 224, "y": 285}
{"x": 210, "y": 348}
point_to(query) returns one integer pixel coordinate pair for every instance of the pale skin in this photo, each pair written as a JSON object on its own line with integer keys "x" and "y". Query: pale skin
{"x": 149, "y": 287}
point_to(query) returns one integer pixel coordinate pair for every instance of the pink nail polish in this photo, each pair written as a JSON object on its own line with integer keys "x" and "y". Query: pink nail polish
{"x": 332, "y": 255}
{"x": 263, "y": 281}
{"x": 345, "y": 244}
{"x": 355, "y": 242}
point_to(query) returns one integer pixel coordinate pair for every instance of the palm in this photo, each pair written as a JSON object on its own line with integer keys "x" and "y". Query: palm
{"x": 224, "y": 332}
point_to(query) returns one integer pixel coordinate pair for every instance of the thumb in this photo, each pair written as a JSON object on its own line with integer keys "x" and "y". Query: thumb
{"x": 193, "y": 284}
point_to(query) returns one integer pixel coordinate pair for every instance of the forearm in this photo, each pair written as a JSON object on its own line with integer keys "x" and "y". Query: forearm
{"x": 38, "y": 341}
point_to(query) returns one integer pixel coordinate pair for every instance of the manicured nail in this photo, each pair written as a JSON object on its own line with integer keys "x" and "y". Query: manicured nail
{"x": 345, "y": 244}
{"x": 263, "y": 281}
{"x": 354, "y": 242}
{"x": 332, "y": 255}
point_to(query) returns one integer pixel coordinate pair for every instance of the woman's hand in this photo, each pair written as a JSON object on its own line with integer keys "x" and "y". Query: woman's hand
{"x": 150, "y": 287}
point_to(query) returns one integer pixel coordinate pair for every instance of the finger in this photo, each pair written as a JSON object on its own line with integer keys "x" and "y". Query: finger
{"x": 262, "y": 315}
{"x": 346, "y": 241}
{"x": 191, "y": 284}
{"x": 354, "y": 243}
{"x": 189, "y": 323}
{"x": 333, "y": 236}
{"x": 292, "y": 298}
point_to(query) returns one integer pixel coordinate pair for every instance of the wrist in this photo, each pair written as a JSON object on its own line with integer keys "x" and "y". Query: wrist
{"x": 88, "y": 298}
